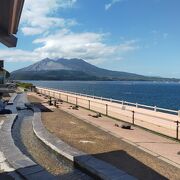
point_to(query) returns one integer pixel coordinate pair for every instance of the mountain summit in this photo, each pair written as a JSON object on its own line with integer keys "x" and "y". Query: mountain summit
{"x": 72, "y": 69}
{"x": 60, "y": 64}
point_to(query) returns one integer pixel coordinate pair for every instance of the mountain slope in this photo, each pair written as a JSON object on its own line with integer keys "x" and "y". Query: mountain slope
{"x": 72, "y": 69}
{"x": 52, "y": 75}
{"x": 76, "y": 65}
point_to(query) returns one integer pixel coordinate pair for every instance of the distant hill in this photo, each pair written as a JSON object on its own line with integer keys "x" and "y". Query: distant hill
{"x": 75, "y": 69}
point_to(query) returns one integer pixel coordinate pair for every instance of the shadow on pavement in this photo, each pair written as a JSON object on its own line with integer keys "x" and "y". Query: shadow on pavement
{"x": 41, "y": 107}
{"x": 129, "y": 164}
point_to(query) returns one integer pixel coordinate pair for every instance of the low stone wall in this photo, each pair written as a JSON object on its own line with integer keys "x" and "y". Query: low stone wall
{"x": 163, "y": 123}
{"x": 21, "y": 164}
{"x": 91, "y": 165}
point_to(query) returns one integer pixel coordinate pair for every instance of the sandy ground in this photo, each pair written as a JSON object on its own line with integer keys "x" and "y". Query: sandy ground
{"x": 92, "y": 140}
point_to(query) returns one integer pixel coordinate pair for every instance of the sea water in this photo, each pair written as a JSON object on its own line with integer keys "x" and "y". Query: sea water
{"x": 161, "y": 94}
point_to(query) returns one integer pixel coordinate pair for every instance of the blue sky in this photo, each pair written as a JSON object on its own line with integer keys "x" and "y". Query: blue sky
{"x": 139, "y": 36}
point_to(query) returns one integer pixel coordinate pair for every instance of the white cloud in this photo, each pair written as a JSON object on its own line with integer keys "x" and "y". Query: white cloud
{"x": 165, "y": 35}
{"x": 154, "y": 32}
{"x": 18, "y": 55}
{"x": 88, "y": 46}
{"x": 109, "y": 5}
{"x": 40, "y": 15}
{"x": 32, "y": 30}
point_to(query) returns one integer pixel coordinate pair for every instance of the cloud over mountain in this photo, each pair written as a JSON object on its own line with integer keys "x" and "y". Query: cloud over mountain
{"x": 64, "y": 43}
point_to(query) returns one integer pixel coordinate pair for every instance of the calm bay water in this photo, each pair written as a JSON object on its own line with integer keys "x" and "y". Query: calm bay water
{"x": 165, "y": 95}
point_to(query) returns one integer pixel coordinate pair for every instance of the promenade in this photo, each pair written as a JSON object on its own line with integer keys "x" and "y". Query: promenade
{"x": 160, "y": 122}
{"x": 161, "y": 147}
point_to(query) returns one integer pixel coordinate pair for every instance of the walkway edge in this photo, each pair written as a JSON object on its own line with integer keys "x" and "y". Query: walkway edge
{"x": 96, "y": 167}
{"x": 22, "y": 165}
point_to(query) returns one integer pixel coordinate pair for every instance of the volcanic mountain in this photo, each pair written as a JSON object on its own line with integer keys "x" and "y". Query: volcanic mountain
{"x": 74, "y": 69}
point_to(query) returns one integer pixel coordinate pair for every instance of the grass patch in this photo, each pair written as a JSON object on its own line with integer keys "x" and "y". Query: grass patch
{"x": 24, "y": 85}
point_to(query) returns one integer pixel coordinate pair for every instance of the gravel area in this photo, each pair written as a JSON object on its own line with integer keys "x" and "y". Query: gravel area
{"x": 104, "y": 146}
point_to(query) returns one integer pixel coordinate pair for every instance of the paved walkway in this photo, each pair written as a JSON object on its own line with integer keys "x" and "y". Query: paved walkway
{"x": 159, "y": 146}
{"x": 164, "y": 148}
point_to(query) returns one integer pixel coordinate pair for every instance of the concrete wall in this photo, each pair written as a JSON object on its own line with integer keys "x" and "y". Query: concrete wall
{"x": 160, "y": 122}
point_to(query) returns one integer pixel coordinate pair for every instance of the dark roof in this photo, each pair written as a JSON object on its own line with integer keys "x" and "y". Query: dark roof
{"x": 10, "y": 13}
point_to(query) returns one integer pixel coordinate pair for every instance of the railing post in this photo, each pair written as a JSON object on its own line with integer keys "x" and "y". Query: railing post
{"x": 76, "y": 101}
{"x": 155, "y": 108}
{"x": 133, "y": 113}
{"x": 179, "y": 113}
{"x": 106, "y": 109}
{"x": 50, "y": 101}
{"x": 177, "y": 129}
{"x": 89, "y": 104}
{"x": 177, "y": 126}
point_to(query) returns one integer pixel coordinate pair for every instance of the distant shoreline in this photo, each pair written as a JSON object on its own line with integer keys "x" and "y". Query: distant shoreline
{"x": 165, "y": 81}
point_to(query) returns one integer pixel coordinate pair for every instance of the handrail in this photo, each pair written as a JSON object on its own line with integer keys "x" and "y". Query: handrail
{"x": 151, "y": 115}
{"x": 155, "y": 108}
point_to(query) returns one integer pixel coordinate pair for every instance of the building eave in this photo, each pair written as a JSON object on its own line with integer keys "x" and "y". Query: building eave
{"x": 10, "y": 13}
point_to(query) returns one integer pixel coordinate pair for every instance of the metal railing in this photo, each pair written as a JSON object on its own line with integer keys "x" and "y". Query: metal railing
{"x": 154, "y": 108}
